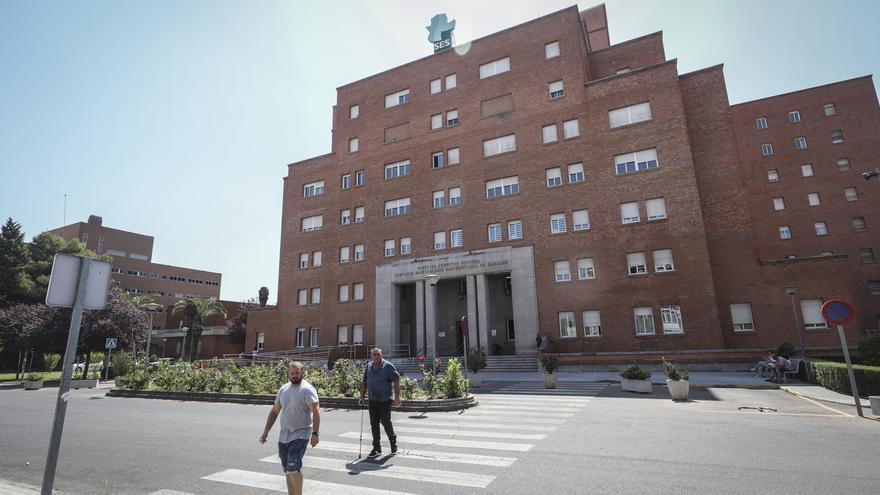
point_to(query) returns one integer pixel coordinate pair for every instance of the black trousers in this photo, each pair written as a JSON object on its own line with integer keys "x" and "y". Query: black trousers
{"x": 380, "y": 412}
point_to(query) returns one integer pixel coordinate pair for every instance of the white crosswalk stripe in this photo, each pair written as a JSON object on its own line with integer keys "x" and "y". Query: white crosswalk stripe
{"x": 166, "y": 492}
{"x": 468, "y": 422}
{"x": 451, "y": 442}
{"x": 277, "y": 483}
{"x": 472, "y": 433}
{"x": 555, "y": 409}
{"x": 433, "y": 455}
{"x": 563, "y": 389}
{"x": 535, "y": 399}
{"x": 499, "y": 417}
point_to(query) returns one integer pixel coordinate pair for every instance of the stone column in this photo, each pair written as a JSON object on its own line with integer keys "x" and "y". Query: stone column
{"x": 420, "y": 318}
{"x": 473, "y": 322}
{"x": 431, "y": 317}
{"x": 525, "y": 299}
{"x": 483, "y": 310}
{"x": 387, "y": 329}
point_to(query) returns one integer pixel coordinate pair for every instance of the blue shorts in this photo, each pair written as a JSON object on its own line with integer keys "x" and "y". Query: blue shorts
{"x": 291, "y": 454}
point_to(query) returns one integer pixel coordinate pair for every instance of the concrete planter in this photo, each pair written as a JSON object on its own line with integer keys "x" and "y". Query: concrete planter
{"x": 678, "y": 389}
{"x": 875, "y": 404}
{"x": 638, "y": 386}
{"x": 475, "y": 380}
{"x": 83, "y": 383}
{"x": 36, "y": 385}
{"x": 549, "y": 380}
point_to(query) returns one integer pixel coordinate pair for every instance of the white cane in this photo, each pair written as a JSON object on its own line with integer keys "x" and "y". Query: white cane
{"x": 361, "y": 441}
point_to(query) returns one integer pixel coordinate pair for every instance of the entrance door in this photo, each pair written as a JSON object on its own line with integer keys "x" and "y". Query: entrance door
{"x": 511, "y": 333}
{"x": 459, "y": 339}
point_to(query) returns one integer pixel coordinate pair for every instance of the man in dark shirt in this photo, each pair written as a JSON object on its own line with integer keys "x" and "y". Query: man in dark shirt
{"x": 378, "y": 379}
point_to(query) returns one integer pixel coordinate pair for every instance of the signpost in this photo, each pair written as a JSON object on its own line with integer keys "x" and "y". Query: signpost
{"x": 840, "y": 313}
{"x": 110, "y": 345}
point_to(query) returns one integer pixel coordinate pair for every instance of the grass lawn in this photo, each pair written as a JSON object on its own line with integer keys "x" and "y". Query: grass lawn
{"x": 10, "y": 376}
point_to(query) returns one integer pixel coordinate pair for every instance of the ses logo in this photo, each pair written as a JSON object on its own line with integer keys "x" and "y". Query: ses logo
{"x": 440, "y": 32}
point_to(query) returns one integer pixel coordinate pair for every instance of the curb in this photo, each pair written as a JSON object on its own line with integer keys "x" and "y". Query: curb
{"x": 799, "y": 394}
{"x": 436, "y": 405}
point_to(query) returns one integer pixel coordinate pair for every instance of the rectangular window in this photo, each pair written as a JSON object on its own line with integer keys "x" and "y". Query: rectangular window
{"x": 313, "y": 337}
{"x": 514, "y": 229}
{"x": 851, "y": 194}
{"x": 502, "y": 187}
{"x": 656, "y": 208}
{"x": 398, "y": 98}
{"x": 767, "y": 149}
{"x": 785, "y": 232}
{"x": 635, "y": 162}
{"x": 357, "y": 334}
{"x": 100, "y": 245}
{"x": 580, "y": 220}
{"x": 874, "y": 287}
{"x": 346, "y": 181}
{"x": 557, "y": 223}
{"x": 867, "y": 255}
{"x": 313, "y": 189}
{"x": 405, "y": 245}
{"x": 451, "y": 118}
{"x": 836, "y": 137}
{"x": 354, "y": 111}
{"x": 586, "y": 269}
{"x": 807, "y": 170}
{"x": 772, "y": 176}
{"x": 399, "y": 169}
{"x": 359, "y": 252}
{"x": 342, "y": 332}
{"x": 562, "y": 272}
{"x": 437, "y": 160}
{"x": 741, "y": 315}
{"x": 343, "y": 293}
{"x": 300, "y": 337}
{"x": 495, "y": 67}
{"x": 453, "y": 156}
{"x": 495, "y": 232}
{"x": 813, "y": 199}
{"x": 800, "y": 143}
{"x": 554, "y": 177}
{"x": 316, "y": 295}
{"x": 436, "y": 86}
{"x": 567, "y": 325}
{"x": 439, "y": 199}
{"x": 811, "y": 310}
{"x": 344, "y": 254}
{"x": 576, "y": 173}
{"x": 359, "y": 214}
{"x": 317, "y": 258}
{"x": 629, "y": 213}
{"x": 629, "y": 115}
{"x": 778, "y": 204}
{"x": 436, "y": 121}
{"x": 451, "y": 81}
{"x": 439, "y": 240}
{"x": 663, "y": 260}
{"x": 390, "y": 250}
{"x": 310, "y": 224}
{"x": 397, "y": 207}
{"x": 644, "y": 321}
{"x": 592, "y": 324}
{"x": 551, "y": 50}
{"x": 571, "y": 129}
{"x": 496, "y": 146}
{"x": 761, "y": 122}
{"x": 821, "y": 228}
{"x": 302, "y": 297}
{"x": 830, "y": 109}
{"x": 345, "y": 217}
{"x": 353, "y": 145}
{"x": 556, "y": 90}
{"x": 858, "y": 224}
{"x": 794, "y": 117}
{"x": 304, "y": 260}
{"x": 843, "y": 165}
{"x": 358, "y": 290}
{"x": 85, "y": 238}
{"x": 671, "y": 317}
{"x": 454, "y": 196}
{"x": 456, "y": 237}
{"x": 360, "y": 178}
{"x": 548, "y": 134}
{"x": 637, "y": 264}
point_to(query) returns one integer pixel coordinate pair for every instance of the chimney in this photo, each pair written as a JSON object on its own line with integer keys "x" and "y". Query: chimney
{"x": 95, "y": 220}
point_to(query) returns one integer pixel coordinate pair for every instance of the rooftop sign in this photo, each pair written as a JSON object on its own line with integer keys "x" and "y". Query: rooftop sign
{"x": 440, "y": 32}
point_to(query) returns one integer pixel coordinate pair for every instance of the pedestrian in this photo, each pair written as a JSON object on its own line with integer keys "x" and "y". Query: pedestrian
{"x": 379, "y": 376}
{"x": 545, "y": 339}
{"x": 297, "y": 404}
{"x": 254, "y": 354}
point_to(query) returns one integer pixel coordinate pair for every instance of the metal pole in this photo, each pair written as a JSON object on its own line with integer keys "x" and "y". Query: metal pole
{"x": 107, "y": 367}
{"x": 67, "y": 371}
{"x": 797, "y": 325}
{"x": 149, "y": 334}
{"x": 849, "y": 369}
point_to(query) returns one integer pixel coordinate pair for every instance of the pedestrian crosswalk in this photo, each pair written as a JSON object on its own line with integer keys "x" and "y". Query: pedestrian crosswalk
{"x": 459, "y": 451}
{"x": 563, "y": 389}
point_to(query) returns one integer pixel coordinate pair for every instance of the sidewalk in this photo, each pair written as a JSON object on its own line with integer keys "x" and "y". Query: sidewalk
{"x": 697, "y": 379}
{"x": 818, "y": 392}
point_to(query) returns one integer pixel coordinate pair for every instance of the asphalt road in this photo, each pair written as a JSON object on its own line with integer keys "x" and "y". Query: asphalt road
{"x": 584, "y": 438}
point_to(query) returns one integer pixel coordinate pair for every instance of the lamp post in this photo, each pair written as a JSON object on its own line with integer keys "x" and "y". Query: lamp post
{"x": 151, "y": 308}
{"x": 432, "y": 281}
{"x": 790, "y": 290}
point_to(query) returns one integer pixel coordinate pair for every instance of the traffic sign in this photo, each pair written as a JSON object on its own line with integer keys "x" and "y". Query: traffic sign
{"x": 838, "y": 312}
{"x": 111, "y": 344}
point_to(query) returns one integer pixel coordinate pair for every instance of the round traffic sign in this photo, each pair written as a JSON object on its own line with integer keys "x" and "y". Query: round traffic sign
{"x": 838, "y": 312}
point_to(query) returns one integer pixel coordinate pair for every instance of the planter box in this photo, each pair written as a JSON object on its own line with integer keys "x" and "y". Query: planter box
{"x": 475, "y": 380}
{"x": 678, "y": 389}
{"x": 83, "y": 383}
{"x": 875, "y": 404}
{"x": 33, "y": 385}
{"x": 549, "y": 380}
{"x": 638, "y": 386}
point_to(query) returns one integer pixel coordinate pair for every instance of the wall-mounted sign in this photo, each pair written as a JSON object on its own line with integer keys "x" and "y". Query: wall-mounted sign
{"x": 440, "y": 32}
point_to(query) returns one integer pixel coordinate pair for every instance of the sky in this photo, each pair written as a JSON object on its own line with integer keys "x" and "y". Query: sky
{"x": 177, "y": 118}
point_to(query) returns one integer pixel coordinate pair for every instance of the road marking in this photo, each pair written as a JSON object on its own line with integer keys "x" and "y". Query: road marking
{"x": 512, "y": 408}
{"x": 482, "y": 460}
{"x": 528, "y": 414}
{"x": 775, "y": 413}
{"x": 8, "y": 487}
{"x": 451, "y": 442}
{"x": 472, "y": 433}
{"x": 170, "y": 492}
{"x": 467, "y": 422}
{"x": 496, "y": 418}
{"x": 544, "y": 398}
{"x": 816, "y": 403}
{"x": 520, "y": 402}
{"x": 277, "y": 483}
{"x": 388, "y": 470}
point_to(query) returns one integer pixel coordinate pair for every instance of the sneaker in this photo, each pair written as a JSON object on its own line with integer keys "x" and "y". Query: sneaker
{"x": 374, "y": 452}
{"x": 393, "y": 448}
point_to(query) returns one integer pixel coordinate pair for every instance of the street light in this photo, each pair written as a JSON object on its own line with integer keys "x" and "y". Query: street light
{"x": 432, "y": 281}
{"x": 790, "y": 290}
{"x": 151, "y": 308}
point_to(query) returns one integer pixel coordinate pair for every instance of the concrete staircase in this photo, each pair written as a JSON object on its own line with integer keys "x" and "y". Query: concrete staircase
{"x": 526, "y": 362}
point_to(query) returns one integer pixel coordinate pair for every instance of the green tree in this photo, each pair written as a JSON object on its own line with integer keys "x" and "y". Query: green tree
{"x": 43, "y": 249}
{"x": 194, "y": 313}
{"x": 238, "y": 325}
{"x": 13, "y": 263}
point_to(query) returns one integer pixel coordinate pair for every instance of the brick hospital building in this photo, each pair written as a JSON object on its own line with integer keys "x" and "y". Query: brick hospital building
{"x": 541, "y": 179}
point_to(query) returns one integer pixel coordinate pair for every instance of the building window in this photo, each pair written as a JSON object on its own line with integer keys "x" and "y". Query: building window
{"x": 671, "y": 317}
{"x": 344, "y": 254}
{"x": 785, "y": 232}
{"x": 874, "y": 287}
{"x": 359, "y": 214}
{"x": 514, "y": 229}
{"x": 100, "y": 245}
{"x": 761, "y": 122}
{"x": 436, "y": 121}
{"x": 767, "y": 149}
{"x": 548, "y": 134}
{"x": 398, "y": 98}
{"x": 821, "y": 228}
{"x": 800, "y": 143}
{"x": 592, "y": 324}
{"x": 358, "y": 290}
{"x": 354, "y": 111}
{"x": 772, "y": 176}
{"x": 453, "y": 156}
{"x": 313, "y": 189}
{"x": 405, "y": 245}
{"x": 635, "y": 162}
{"x": 571, "y": 129}
{"x": 551, "y": 50}
{"x": 397, "y": 207}
{"x": 346, "y": 181}
{"x": 389, "y": 247}
{"x": 576, "y": 173}
{"x": 851, "y": 194}
{"x": 741, "y": 314}
{"x": 399, "y": 169}
{"x": 629, "y": 212}
{"x": 310, "y": 224}
{"x": 302, "y": 297}
{"x": 451, "y": 118}
{"x": 437, "y": 160}
{"x": 313, "y": 337}
{"x": 359, "y": 252}
{"x": 813, "y": 199}
{"x": 778, "y": 204}
{"x": 436, "y": 86}
{"x": 300, "y": 337}
{"x": 343, "y": 293}
{"x": 502, "y": 187}
{"x": 360, "y": 178}
{"x": 644, "y": 321}
{"x": 342, "y": 333}
{"x": 843, "y": 165}
{"x": 495, "y": 232}
{"x": 567, "y": 325}
{"x": 303, "y": 260}
{"x": 867, "y": 255}
{"x": 830, "y": 109}
{"x": 811, "y": 310}
{"x": 316, "y": 295}
{"x": 439, "y": 199}
{"x": 586, "y": 269}
{"x": 451, "y": 81}
{"x": 629, "y": 115}
{"x": 858, "y": 224}
{"x": 637, "y": 264}
{"x": 656, "y": 209}
{"x": 345, "y": 217}
{"x": 495, "y": 67}
{"x": 352, "y": 145}
{"x": 496, "y": 146}
{"x": 454, "y": 196}
{"x": 663, "y": 261}
{"x": 557, "y": 223}
{"x": 456, "y": 237}
{"x": 85, "y": 238}
{"x": 439, "y": 240}
{"x": 357, "y": 334}
{"x": 554, "y": 177}
{"x": 807, "y": 170}
{"x": 580, "y": 220}
{"x": 556, "y": 90}
{"x": 794, "y": 117}
{"x": 317, "y": 258}
{"x": 836, "y": 137}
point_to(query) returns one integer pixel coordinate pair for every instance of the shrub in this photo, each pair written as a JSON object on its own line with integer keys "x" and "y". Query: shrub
{"x": 549, "y": 364}
{"x": 674, "y": 373}
{"x": 476, "y": 359}
{"x": 409, "y": 388}
{"x": 453, "y": 384}
{"x": 635, "y": 373}
{"x": 33, "y": 377}
{"x": 96, "y": 357}
{"x": 834, "y": 376}
{"x": 139, "y": 379}
{"x": 121, "y": 363}
{"x": 337, "y": 352}
{"x": 347, "y": 379}
{"x": 785, "y": 350}
{"x": 51, "y": 360}
{"x": 869, "y": 350}
{"x": 429, "y": 382}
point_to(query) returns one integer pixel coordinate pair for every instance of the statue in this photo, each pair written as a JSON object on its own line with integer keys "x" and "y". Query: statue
{"x": 264, "y": 296}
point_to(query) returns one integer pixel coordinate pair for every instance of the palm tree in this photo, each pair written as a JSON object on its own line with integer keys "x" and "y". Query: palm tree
{"x": 194, "y": 313}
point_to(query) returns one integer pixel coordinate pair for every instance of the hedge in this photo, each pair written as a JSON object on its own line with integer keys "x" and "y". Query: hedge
{"x": 834, "y": 376}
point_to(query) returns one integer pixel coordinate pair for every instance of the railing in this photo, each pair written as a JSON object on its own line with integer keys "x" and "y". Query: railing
{"x": 312, "y": 354}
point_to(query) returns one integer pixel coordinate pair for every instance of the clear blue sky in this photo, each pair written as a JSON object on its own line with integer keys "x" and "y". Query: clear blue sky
{"x": 176, "y": 118}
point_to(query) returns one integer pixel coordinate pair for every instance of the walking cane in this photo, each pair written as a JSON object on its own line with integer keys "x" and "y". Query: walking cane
{"x": 361, "y": 441}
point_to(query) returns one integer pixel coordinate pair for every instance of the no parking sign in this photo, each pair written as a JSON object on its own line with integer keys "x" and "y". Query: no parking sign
{"x": 840, "y": 313}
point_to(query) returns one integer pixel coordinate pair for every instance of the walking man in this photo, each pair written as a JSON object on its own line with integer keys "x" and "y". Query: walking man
{"x": 297, "y": 404}
{"x": 378, "y": 378}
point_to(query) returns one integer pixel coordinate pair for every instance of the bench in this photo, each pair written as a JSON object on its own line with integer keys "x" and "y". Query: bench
{"x": 795, "y": 367}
